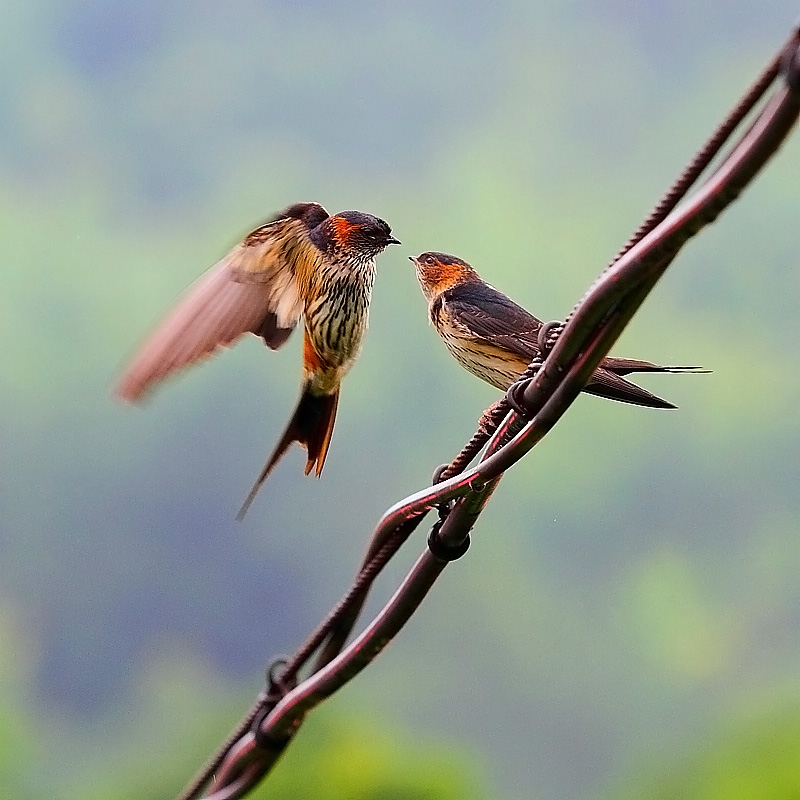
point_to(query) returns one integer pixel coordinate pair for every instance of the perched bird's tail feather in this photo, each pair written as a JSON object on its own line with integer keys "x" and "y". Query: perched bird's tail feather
{"x": 611, "y": 386}
{"x": 312, "y": 426}
{"x": 624, "y": 366}
{"x": 607, "y": 382}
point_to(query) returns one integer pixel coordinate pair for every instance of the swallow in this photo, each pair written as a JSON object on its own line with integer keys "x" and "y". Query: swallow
{"x": 301, "y": 263}
{"x": 495, "y": 339}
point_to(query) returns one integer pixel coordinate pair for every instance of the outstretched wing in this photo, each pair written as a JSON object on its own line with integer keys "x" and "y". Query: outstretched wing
{"x": 253, "y": 289}
{"x": 486, "y": 315}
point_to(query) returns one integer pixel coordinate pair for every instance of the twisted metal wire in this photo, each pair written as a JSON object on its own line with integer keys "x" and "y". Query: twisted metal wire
{"x": 705, "y": 155}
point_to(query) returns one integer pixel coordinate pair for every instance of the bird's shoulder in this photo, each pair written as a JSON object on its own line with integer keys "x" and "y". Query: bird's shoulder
{"x": 282, "y": 245}
{"x": 479, "y": 312}
{"x": 485, "y": 311}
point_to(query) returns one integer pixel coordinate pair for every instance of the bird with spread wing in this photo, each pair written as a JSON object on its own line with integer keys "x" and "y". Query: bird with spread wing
{"x": 303, "y": 263}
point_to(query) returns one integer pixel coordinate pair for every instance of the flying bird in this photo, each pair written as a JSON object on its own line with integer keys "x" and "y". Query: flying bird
{"x": 495, "y": 339}
{"x": 301, "y": 263}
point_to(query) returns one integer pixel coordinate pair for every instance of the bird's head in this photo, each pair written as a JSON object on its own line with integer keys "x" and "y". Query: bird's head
{"x": 437, "y": 272}
{"x": 359, "y": 234}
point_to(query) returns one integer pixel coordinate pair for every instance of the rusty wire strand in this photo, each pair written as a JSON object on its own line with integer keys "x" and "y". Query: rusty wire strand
{"x": 705, "y": 155}
{"x": 593, "y": 327}
{"x": 353, "y": 598}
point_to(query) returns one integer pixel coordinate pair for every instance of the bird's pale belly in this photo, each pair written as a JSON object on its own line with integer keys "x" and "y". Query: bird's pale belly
{"x": 485, "y": 362}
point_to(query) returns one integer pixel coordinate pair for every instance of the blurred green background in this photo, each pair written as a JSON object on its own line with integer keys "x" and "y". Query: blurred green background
{"x": 627, "y": 623}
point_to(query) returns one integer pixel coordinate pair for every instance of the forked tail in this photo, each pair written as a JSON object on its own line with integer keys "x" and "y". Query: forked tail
{"x": 607, "y": 381}
{"x": 311, "y": 425}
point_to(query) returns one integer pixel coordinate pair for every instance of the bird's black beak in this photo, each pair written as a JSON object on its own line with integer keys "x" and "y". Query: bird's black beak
{"x": 392, "y": 240}
{"x": 412, "y": 259}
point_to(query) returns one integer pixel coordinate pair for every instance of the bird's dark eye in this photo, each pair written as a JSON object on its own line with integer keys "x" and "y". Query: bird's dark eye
{"x": 375, "y": 234}
{"x": 429, "y": 260}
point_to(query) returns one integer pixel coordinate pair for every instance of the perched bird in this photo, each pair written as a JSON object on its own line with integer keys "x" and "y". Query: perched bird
{"x": 495, "y": 339}
{"x": 302, "y": 262}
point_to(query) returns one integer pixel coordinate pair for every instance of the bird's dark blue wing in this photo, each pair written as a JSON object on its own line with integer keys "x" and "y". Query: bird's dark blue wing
{"x": 490, "y": 316}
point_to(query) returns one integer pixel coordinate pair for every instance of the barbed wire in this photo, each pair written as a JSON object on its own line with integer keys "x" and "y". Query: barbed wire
{"x": 570, "y": 352}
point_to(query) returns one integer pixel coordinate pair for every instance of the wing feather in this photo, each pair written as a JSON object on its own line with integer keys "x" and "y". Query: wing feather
{"x": 486, "y": 315}
{"x": 253, "y": 289}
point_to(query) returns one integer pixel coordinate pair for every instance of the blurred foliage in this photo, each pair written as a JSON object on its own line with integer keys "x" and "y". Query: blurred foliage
{"x": 756, "y": 760}
{"x": 152, "y": 746}
{"x": 632, "y": 585}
